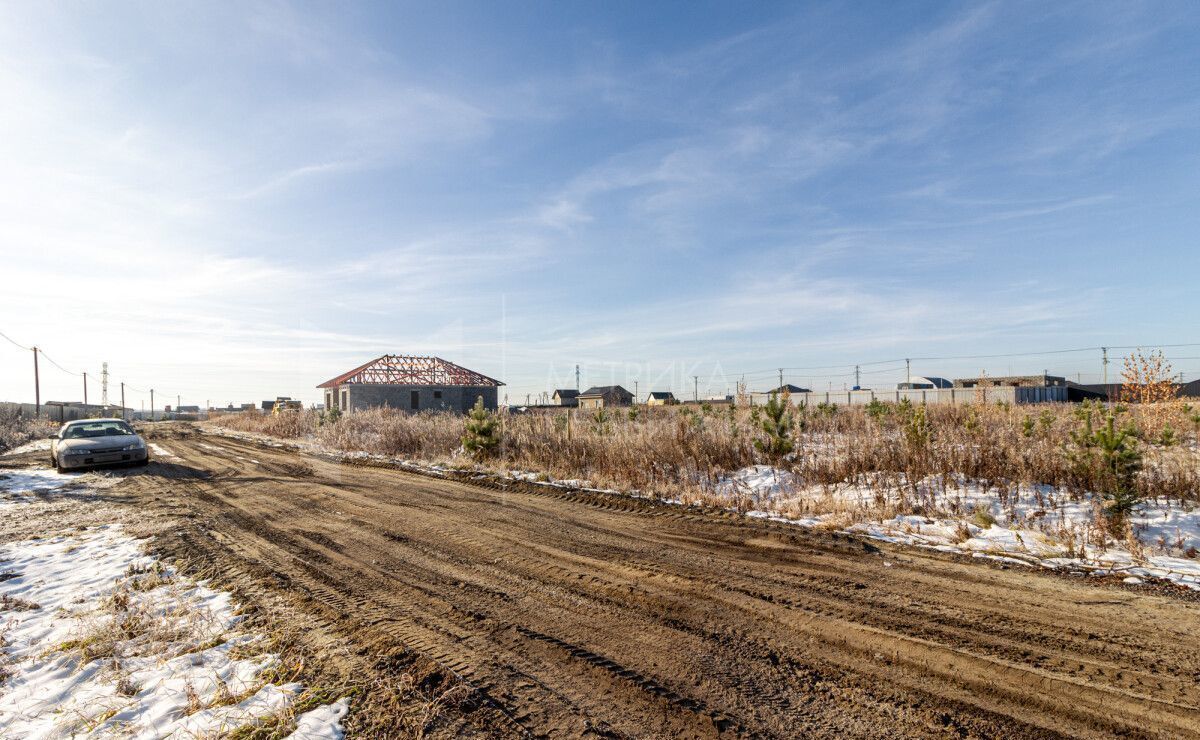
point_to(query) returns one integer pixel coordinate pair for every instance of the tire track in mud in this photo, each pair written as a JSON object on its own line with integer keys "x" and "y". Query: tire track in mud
{"x": 591, "y": 614}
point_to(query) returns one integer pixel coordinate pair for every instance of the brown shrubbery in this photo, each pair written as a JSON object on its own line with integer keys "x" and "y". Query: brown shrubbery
{"x": 687, "y": 450}
{"x": 16, "y": 429}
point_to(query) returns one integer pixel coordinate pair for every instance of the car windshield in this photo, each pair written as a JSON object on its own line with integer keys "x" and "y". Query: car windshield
{"x": 96, "y": 429}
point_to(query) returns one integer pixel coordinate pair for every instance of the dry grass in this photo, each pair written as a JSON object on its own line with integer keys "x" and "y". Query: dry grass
{"x": 16, "y": 430}
{"x": 5, "y": 671}
{"x": 282, "y": 723}
{"x": 16, "y": 604}
{"x": 683, "y": 452}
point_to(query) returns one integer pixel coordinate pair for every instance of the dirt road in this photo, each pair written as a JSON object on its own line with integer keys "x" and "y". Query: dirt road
{"x": 582, "y": 614}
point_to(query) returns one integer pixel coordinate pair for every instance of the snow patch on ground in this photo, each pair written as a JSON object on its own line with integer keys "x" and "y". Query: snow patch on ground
{"x": 100, "y": 640}
{"x": 759, "y": 484}
{"x": 317, "y": 723}
{"x": 161, "y": 451}
{"x": 34, "y": 480}
{"x": 37, "y": 445}
{"x": 20, "y": 486}
{"x": 1032, "y": 525}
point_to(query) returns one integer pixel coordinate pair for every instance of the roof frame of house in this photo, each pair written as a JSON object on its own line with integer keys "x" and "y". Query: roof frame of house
{"x": 411, "y": 370}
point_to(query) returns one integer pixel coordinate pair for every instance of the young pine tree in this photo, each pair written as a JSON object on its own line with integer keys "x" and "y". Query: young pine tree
{"x": 877, "y": 409}
{"x": 1027, "y": 426}
{"x": 482, "y": 436}
{"x": 1122, "y": 461}
{"x": 1113, "y": 454}
{"x": 919, "y": 432}
{"x": 777, "y": 442}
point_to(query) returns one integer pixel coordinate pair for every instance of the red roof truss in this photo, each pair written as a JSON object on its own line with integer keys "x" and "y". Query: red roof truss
{"x": 411, "y": 370}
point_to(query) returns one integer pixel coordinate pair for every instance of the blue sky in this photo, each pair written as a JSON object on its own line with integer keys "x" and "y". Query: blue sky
{"x": 239, "y": 201}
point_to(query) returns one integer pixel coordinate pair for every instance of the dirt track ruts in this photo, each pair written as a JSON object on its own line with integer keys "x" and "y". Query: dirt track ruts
{"x": 580, "y": 614}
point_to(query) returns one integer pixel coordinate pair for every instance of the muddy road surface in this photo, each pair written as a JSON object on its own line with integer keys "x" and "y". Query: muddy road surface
{"x": 593, "y": 615}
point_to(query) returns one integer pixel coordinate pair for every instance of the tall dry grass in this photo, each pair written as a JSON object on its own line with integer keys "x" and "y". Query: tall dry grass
{"x": 688, "y": 450}
{"x": 17, "y": 429}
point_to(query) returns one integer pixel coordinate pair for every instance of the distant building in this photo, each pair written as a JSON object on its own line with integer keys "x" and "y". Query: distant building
{"x": 284, "y": 401}
{"x": 924, "y": 383}
{"x": 1019, "y": 381}
{"x": 566, "y": 397}
{"x": 188, "y": 409}
{"x": 1112, "y": 391}
{"x": 410, "y": 383}
{"x": 661, "y": 398}
{"x": 602, "y": 396}
{"x": 789, "y": 389}
{"x": 1094, "y": 391}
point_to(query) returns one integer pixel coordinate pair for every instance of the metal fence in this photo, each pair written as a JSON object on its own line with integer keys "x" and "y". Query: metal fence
{"x": 994, "y": 394}
{"x": 63, "y": 411}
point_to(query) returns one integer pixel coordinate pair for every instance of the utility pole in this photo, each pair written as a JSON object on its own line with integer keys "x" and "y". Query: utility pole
{"x": 177, "y": 403}
{"x": 151, "y": 404}
{"x": 857, "y": 379}
{"x": 635, "y": 391}
{"x": 85, "y": 391}
{"x": 577, "y": 377}
{"x": 781, "y": 380}
{"x": 1104, "y": 362}
{"x": 37, "y": 388}
{"x": 104, "y": 384}
{"x": 908, "y": 370}
{"x": 696, "y": 384}
{"x": 123, "y": 401}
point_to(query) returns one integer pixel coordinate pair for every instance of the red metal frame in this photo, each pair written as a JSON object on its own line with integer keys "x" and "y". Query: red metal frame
{"x": 411, "y": 370}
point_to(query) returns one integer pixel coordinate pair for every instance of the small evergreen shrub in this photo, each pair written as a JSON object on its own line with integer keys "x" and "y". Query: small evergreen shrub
{"x": 776, "y": 442}
{"x": 482, "y": 436}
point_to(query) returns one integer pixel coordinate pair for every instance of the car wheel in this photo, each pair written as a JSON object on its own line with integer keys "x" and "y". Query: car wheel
{"x": 58, "y": 467}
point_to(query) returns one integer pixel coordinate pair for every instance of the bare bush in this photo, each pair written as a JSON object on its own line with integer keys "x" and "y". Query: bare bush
{"x": 285, "y": 425}
{"x": 16, "y": 429}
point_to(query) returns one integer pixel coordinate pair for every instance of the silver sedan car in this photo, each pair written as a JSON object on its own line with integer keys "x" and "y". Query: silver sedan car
{"x": 89, "y": 442}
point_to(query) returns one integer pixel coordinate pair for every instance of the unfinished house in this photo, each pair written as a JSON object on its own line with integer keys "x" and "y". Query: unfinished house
{"x": 410, "y": 383}
{"x": 1018, "y": 381}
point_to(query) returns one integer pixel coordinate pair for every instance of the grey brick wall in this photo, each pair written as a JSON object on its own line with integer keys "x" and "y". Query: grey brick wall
{"x": 452, "y": 398}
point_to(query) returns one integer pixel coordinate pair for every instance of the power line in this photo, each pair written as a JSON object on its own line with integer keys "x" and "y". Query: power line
{"x": 1076, "y": 350}
{"x": 42, "y": 353}
{"x": 15, "y": 343}
{"x": 55, "y": 364}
